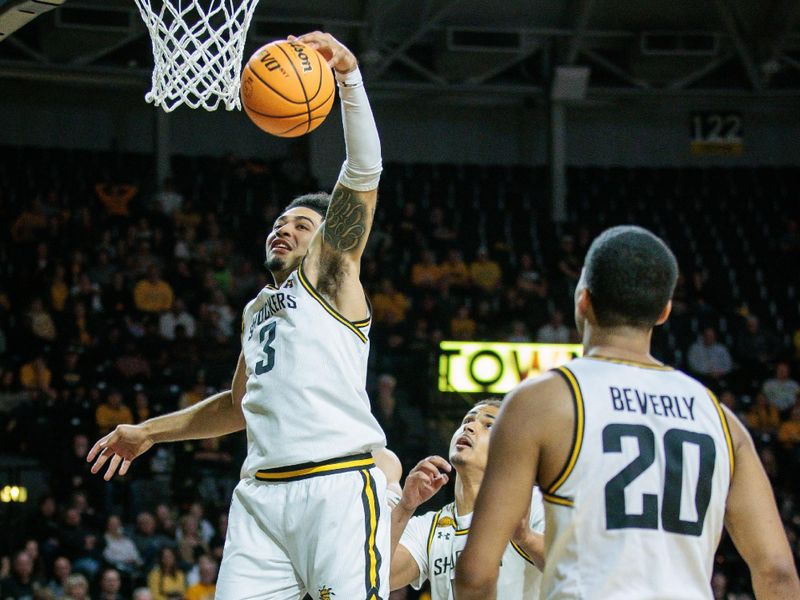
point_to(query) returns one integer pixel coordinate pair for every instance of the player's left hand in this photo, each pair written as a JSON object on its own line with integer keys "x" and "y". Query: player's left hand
{"x": 523, "y": 529}
{"x": 423, "y": 481}
{"x": 339, "y": 57}
{"x": 529, "y": 540}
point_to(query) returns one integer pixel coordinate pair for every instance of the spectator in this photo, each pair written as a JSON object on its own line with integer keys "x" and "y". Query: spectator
{"x": 120, "y": 551}
{"x": 196, "y": 509}
{"x": 141, "y": 407}
{"x": 103, "y": 272}
{"x": 484, "y": 272}
{"x": 462, "y": 325}
{"x": 763, "y": 417}
{"x": 426, "y": 274}
{"x": 555, "y": 331}
{"x": 142, "y": 593}
{"x": 62, "y": 569}
{"x": 176, "y": 316}
{"x": 569, "y": 265}
{"x": 782, "y": 390}
{"x": 44, "y": 527}
{"x": 167, "y": 199}
{"x": 225, "y": 315}
{"x": 31, "y": 548}
{"x": 21, "y": 583}
{"x": 709, "y": 358}
{"x": 206, "y": 587}
{"x": 110, "y": 585}
{"x": 71, "y": 373}
{"x": 405, "y": 429}
{"x": 389, "y": 306}
{"x": 79, "y": 543}
{"x": 76, "y": 588}
{"x": 190, "y": 543}
{"x": 756, "y": 348}
{"x": 36, "y": 375}
{"x": 74, "y": 472}
{"x": 59, "y": 290}
{"x": 454, "y": 270}
{"x": 217, "y": 543}
{"x": 117, "y": 296}
{"x": 166, "y": 581}
{"x": 116, "y": 197}
{"x": 152, "y": 294}
{"x": 41, "y": 323}
{"x": 148, "y": 541}
{"x": 30, "y": 223}
{"x": 519, "y": 332}
{"x": 111, "y": 413}
{"x": 440, "y": 233}
{"x": 165, "y": 520}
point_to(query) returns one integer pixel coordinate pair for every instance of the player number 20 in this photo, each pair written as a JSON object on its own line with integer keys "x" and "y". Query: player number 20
{"x": 674, "y": 441}
{"x": 268, "y": 332}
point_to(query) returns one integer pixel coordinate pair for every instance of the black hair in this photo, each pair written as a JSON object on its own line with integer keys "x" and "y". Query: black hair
{"x": 491, "y": 401}
{"x": 317, "y": 202}
{"x": 630, "y": 274}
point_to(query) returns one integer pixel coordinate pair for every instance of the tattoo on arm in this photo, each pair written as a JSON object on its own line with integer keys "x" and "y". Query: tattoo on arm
{"x": 346, "y": 221}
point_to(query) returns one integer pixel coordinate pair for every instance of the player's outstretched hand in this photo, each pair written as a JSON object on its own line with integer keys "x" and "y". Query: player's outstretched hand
{"x": 122, "y": 445}
{"x": 336, "y": 53}
{"x": 424, "y": 480}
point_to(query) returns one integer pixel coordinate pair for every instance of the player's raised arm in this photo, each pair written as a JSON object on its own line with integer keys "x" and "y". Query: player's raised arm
{"x": 752, "y": 519}
{"x": 423, "y": 481}
{"x": 217, "y": 415}
{"x": 341, "y": 240}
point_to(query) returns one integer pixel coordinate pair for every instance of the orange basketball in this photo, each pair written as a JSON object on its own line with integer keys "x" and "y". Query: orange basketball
{"x": 287, "y": 88}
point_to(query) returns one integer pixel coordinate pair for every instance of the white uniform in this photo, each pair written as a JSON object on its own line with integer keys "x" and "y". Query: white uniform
{"x": 310, "y": 513}
{"x": 638, "y": 509}
{"x": 436, "y": 539}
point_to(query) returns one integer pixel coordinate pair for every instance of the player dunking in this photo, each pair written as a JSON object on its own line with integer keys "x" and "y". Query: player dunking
{"x": 429, "y": 545}
{"x": 308, "y": 514}
{"x": 636, "y": 497}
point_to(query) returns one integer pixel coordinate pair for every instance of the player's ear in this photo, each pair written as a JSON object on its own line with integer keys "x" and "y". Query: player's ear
{"x": 583, "y": 304}
{"x": 664, "y": 313}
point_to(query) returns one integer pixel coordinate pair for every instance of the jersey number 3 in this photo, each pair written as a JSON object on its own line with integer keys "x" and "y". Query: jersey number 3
{"x": 268, "y": 332}
{"x": 674, "y": 441}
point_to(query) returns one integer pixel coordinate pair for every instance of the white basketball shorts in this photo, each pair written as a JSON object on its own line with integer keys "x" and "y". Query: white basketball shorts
{"x": 319, "y": 528}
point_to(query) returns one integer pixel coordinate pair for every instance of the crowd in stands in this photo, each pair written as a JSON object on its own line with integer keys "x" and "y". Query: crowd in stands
{"x": 120, "y": 302}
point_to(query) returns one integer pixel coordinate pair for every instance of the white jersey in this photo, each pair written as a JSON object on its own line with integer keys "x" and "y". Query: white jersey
{"x": 638, "y": 509}
{"x": 305, "y": 400}
{"x": 436, "y": 539}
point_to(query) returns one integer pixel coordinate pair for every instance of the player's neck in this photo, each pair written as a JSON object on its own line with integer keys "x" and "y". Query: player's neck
{"x": 279, "y": 277}
{"x": 624, "y": 343}
{"x": 467, "y": 485}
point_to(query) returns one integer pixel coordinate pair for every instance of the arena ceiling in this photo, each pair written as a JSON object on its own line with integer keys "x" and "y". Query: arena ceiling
{"x": 467, "y": 48}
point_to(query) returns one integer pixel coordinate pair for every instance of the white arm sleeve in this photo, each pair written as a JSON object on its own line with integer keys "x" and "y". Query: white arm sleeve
{"x": 362, "y": 168}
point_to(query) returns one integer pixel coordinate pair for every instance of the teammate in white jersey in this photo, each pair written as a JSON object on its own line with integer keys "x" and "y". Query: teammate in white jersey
{"x": 638, "y": 463}
{"x": 310, "y": 514}
{"x": 429, "y": 545}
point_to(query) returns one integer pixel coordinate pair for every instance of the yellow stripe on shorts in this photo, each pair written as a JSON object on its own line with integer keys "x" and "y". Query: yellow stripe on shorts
{"x": 372, "y": 555}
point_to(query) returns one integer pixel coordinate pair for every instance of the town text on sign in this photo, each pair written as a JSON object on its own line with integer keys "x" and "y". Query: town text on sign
{"x": 496, "y": 367}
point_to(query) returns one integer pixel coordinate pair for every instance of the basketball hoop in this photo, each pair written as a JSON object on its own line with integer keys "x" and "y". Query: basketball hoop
{"x": 197, "y": 49}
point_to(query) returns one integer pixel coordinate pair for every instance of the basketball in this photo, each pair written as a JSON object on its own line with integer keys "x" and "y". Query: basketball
{"x": 287, "y": 88}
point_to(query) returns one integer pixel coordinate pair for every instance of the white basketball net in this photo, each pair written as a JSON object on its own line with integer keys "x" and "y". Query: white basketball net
{"x": 197, "y": 49}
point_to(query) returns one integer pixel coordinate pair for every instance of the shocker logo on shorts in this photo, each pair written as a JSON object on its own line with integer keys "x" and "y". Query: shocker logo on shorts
{"x": 325, "y": 593}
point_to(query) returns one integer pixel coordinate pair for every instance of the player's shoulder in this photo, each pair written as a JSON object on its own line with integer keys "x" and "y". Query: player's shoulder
{"x": 538, "y": 394}
{"x": 420, "y": 526}
{"x": 258, "y": 296}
